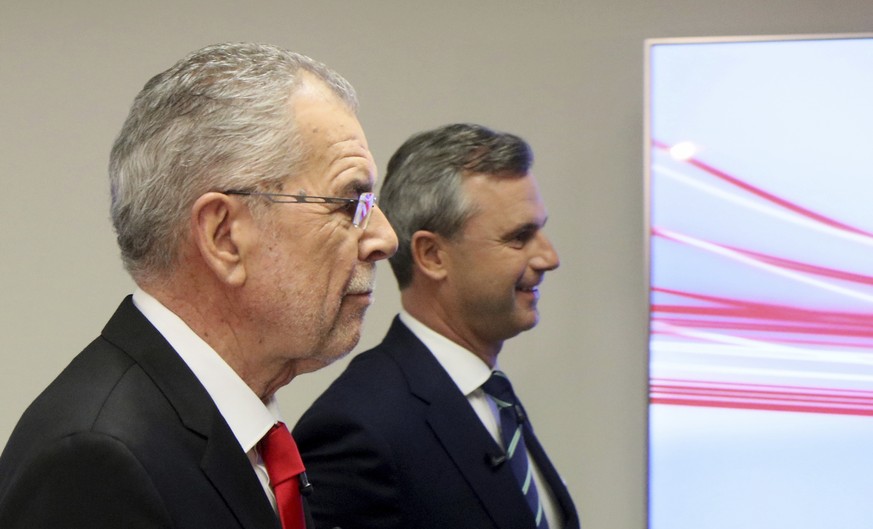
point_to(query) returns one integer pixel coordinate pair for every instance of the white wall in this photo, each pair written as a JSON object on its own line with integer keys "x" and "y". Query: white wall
{"x": 565, "y": 75}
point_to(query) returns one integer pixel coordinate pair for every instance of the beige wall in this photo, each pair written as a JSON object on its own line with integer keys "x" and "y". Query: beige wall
{"x": 566, "y": 75}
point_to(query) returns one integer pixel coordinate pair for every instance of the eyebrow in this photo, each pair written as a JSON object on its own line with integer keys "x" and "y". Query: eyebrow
{"x": 352, "y": 189}
{"x": 535, "y": 224}
{"x": 357, "y": 186}
{"x": 530, "y": 227}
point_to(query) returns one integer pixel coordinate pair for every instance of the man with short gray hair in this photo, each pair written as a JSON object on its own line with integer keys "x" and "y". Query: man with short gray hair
{"x": 242, "y": 201}
{"x": 424, "y": 431}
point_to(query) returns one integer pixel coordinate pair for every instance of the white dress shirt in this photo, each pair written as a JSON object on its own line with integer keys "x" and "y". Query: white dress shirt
{"x": 249, "y": 418}
{"x": 469, "y": 372}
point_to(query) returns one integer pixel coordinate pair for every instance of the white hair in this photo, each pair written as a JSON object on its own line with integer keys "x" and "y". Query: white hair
{"x": 218, "y": 119}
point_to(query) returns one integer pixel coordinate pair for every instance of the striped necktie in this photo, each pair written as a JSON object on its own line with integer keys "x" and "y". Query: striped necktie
{"x": 512, "y": 420}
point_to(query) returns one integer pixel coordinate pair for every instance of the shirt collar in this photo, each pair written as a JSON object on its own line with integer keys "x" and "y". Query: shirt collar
{"x": 467, "y": 370}
{"x": 248, "y": 417}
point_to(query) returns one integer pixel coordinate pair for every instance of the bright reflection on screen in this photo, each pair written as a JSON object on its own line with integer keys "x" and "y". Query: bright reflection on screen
{"x": 761, "y": 253}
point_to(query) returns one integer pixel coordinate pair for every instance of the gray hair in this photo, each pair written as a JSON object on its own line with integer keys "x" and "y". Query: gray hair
{"x": 218, "y": 119}
{"x": 422, "y": 185}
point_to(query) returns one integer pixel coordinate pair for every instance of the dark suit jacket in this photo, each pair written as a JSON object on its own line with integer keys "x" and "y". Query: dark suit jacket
{"x": 127, "y": 437}
{"x": 393, "y": 443}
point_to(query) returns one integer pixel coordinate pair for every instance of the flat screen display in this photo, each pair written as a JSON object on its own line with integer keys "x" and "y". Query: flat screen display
{"x": 759, "y": 161}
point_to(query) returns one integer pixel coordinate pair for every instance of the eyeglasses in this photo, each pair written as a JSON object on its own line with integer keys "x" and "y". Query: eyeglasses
{"x": 363, "y": 204}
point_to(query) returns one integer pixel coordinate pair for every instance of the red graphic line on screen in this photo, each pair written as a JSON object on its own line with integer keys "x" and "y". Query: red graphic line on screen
{"x": 788, "y": 314}
{"x": 806, "y": 267}
{"x": 766, "y": 195}
{"x": 751, "y": 261}
{"x": 866, "y": 347}
{"x": 772, "y": 312}
{"x": 736, "y": 390}
{"x": 761, "y": 397}
{"x": 756, "y": 310}
{"x": 750, "y": 320}
{"x": 784, "y": 263}
{"x": 689, "y": 323}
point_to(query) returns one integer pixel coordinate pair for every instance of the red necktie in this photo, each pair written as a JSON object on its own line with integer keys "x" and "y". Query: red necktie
{"x": 280, "y": 455}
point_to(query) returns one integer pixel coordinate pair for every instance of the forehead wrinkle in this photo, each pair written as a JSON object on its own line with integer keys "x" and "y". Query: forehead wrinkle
{"x": 351, "y": 147}
{"x": 352, "y": 156}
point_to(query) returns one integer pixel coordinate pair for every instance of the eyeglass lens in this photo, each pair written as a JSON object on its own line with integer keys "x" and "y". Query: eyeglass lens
{"x": 364, "y": 209}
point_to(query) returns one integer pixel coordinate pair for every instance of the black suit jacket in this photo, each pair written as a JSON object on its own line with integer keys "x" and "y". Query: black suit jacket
{"x": 126, "y": 436}
{"x": 393, "y": 443}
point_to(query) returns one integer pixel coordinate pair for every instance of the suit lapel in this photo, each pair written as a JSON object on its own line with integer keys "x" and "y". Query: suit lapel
{"x": 458, "y": 428}
{"x": 234, "y": 479}
{"x": 225, "y": 464}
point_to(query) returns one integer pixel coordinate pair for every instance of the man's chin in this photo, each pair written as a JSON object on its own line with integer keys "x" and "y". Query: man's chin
{"x": 342, "y": 340}
{"x": 326, "y": 357}
{"x": 528, "y": 320}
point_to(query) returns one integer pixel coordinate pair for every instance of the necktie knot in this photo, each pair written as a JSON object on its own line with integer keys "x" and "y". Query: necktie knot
{"x": 499, "y": 388}
{"x": 280, "y": 455}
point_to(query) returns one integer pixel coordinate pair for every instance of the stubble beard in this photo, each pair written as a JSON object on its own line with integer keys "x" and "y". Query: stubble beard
{"x": 344, "y": 332}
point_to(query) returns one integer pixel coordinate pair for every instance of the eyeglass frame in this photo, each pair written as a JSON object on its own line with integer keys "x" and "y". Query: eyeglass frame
{"x": 364, "y": 210}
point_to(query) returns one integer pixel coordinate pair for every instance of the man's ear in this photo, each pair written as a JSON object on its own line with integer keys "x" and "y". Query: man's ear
{"x": 218, "y": 230}
{"x": 429, "y": 254}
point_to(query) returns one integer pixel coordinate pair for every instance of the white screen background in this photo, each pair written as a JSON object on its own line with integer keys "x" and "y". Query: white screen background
{"x": 761, "y": 255}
